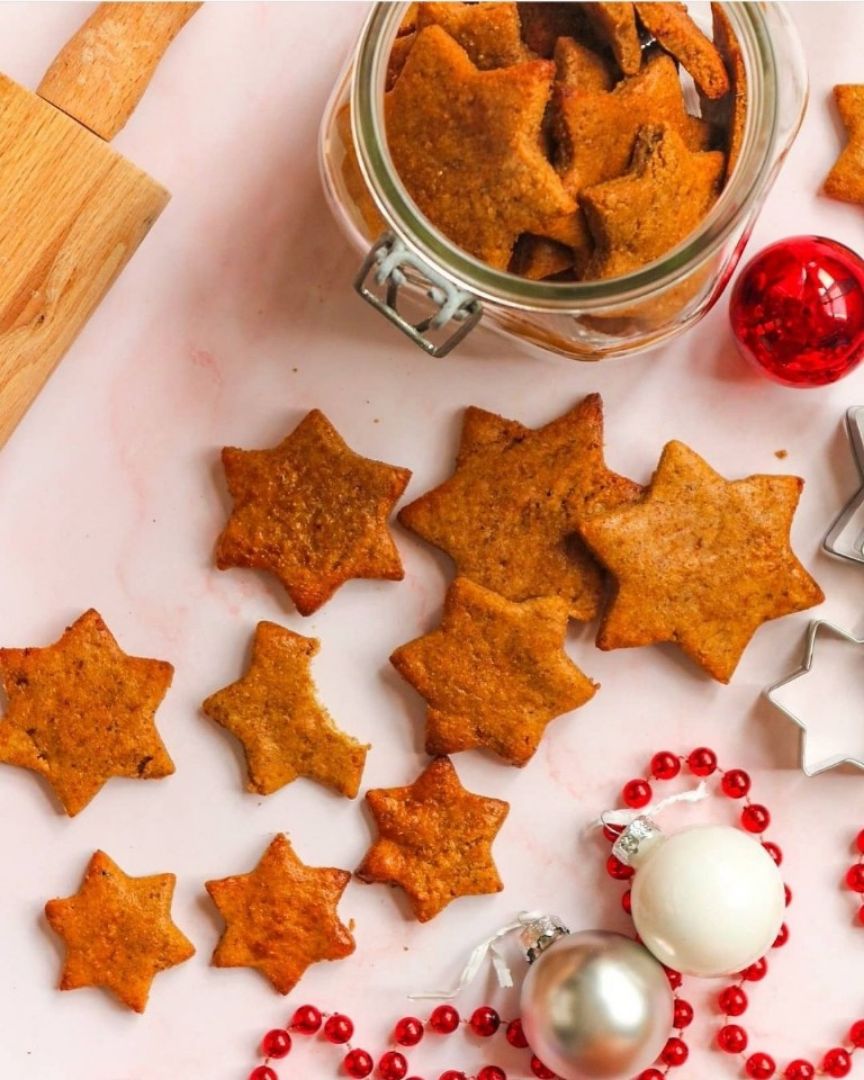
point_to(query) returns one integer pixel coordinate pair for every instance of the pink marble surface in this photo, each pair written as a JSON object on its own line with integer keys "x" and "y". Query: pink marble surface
{"x": 236, "y": 317}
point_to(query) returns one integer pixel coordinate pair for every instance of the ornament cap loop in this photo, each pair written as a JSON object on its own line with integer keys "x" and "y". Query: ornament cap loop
{"x": 636, "y": 841}
{"x": 537, "y": 935}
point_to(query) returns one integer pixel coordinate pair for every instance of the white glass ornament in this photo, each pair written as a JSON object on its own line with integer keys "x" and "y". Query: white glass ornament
{"x": 706, "y": 901}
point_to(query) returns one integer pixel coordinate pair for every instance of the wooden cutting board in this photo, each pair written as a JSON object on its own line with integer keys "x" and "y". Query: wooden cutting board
{"x": 72, "y": 210}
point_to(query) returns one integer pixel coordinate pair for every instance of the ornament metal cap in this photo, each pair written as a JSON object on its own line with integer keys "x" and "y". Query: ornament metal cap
{"x": 631, "y": 846}
{"x": 536, "y": 936}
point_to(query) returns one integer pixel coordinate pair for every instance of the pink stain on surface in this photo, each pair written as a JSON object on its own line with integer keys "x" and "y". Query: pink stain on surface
{"x": 201, "y": 358}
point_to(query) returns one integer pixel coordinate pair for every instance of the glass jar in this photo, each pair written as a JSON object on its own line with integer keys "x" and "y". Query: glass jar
{"x": 589, "y": 320}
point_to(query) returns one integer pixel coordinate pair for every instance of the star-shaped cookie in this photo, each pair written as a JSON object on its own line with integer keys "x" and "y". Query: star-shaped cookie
{"x": 281, "y": 918}
{"x": 311, "y": 511}
{"x": 274, "y": 712}
{"x": 616, "y": 24}
{"x": 434, "y": 840}
{"x": 118, "y": 932}
{"x": 846, "y": 179}
{"x": 671, "y": 25}
{"x": 488, "y": 32}
{"x": 508, "y": 516}
{"x": 701, "y": 561}
{"x": 647, "y": 211}
{"x": 467, "y": 145}
{"x": 494, "y": 673}
{"x": 81, "y": 711}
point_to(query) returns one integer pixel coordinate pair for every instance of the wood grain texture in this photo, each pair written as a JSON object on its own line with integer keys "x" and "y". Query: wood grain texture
{"x": 100, "y": 75}
{"x": 72, "y": 212}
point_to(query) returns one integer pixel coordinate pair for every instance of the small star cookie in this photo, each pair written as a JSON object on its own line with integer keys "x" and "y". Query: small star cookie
{"x": 274, "y": 712}
{"x": 312, "y": 512}
{"x": 701, "y": 561}
{"x": 732, "y": 110}
{"x": 281, "y": 917}
{"x": 81, "y": 711}
{"x": 490, "y": 32}
{"x": 676, "y": 32}
{"x": 580, "y": 68}
{"x": 494, "y": 673}
{"x": 434, "y": 840}
{"x": 118, "y": 932}
{"x": 467, "y": 145}
{"x": 616, "y": 24}
{"x": 509, "y": 515}
{"x": 846, "y": 179}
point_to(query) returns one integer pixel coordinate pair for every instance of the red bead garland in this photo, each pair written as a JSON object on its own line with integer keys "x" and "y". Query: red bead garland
{"x": 357, "y": 1064}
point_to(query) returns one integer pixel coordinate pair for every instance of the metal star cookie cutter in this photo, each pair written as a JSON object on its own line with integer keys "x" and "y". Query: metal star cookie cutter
{"x": 813, "y": 768}
{"x": 845, "y": 538}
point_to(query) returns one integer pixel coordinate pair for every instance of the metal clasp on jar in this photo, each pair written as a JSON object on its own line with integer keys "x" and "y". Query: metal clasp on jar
{"x": 392, "y": 265}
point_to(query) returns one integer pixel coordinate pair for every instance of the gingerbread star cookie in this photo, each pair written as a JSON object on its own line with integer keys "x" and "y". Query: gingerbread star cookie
{"x": 434, "y": 840}
{"x": 118, "y": 932}
{"x": 467, "y": 145}
{"x": 509, "y": 515}
{"x": 489, "y": 33}
{"x": 846, "y": 179}
{"x": 494, "y": 673}
{"x": 701, "y": 561}
{"x": 676, "y": 32}
{"x": 732, "y": 110}
{"x": 81, "y": 711}
{"x": 661, "y": 200}
{"x": 580, "y": 68}
{"x": 311, "y": 511}
{"x": 281, "y": 917}
{"x": 616, "y": 24}
{"x": 284, "y": 730}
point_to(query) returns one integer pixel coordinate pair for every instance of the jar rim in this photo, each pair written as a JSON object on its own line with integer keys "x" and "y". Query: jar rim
{"x": 754, "y": 170}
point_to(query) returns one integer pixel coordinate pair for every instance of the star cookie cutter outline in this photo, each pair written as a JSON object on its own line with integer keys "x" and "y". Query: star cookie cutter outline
{"x": 845, "y": 538}
{"x": 816, "y": 627}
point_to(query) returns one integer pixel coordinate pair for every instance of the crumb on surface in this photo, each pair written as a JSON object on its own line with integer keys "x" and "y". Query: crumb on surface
{"x": 781, "y": 454}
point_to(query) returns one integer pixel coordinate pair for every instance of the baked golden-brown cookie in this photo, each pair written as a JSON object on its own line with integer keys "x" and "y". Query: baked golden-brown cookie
{"x": 676, "y": 32}
{"x": 284, "y": 729}
{"x": 434, "y": 840}
{"x": 616, "y": 24}
{"x": 734, "y": 108}
{"x": 494, "y": 673}
{"x": 509, "y": 515}
{"x": 579, "y": 67}
{"x": 312, "y": 512}
{"x": 701, "y": 561}
{"x": 489, "y": 32}
{"x": 846, "y": 179}
{"x": 467, "y": 145}
{"x": 118, "y": 932}
{"x": 281, "y": 917}
{"x": 81, "y": 711}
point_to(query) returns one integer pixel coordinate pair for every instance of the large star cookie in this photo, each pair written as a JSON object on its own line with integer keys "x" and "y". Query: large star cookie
{"x": 846, "y": 179}
{"x": 118, "y": 932}
{"x": 494, "y": 673}
{"x": 467, "y": 145}
{"x": 488, "y": 32}
{"x": 434, "y": 840}
{"x": 281, "y": 917}
{"x": 274, "y": 712}
{"x": 312, "y": 512}
{"x": 701, "y": 561}
{"x": 508, "y": 516}
{"x": 81, "y": 711}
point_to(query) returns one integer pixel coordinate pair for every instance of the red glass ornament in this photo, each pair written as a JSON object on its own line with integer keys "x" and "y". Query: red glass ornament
{"x": 484, "y": 1021}
{"x": 702, "y": 761}
{"x": 755, "y": 818}
{"x": 540, "y": 1070}
{"x": 735, "y": 783}
{"x": 683, "y": 1014}
{"x": 357, "y": 1064}
{"x": 799, "y": 1070}
{"x": 491, "y": 1072}
{"x": 392, "y": 1066}
{"x": 855, "y": 877}
{"x": 837, "y": 1062}
{"x": 674, "y": 1053}
{"x": 306, "y": 1020}
{"x": 733, "y": 1001}
{"x": 665, "y": 766}
{"x": 338, "y": 1028}
{"x": 782, "y": 937}
{"x": 617, "y": 869}
{"x": 756, "y": 972}
{"x": 797, "y": 311}
{"x": 515, "y": 1035}
{"x": 453, "y": 1074}
{"x": 408, "y": 1031}
{"x": 627, "y": 901}
{"x": 856, "y": 1034}
{"x": 263, "y": 1072}
{"x": 859, "y": 841}
{"x": 651, "y": 1074}
{"x": 760, "y": 1066}
{"x": 636, "y": 794}
{"x": 444, "y": 1019}
{"x": 732, "y": 1039}
{"x": 276, "y": 1044}
{"x": 774, "y": 851}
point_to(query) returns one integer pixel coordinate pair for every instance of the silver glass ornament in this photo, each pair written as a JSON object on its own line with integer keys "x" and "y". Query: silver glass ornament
{"x": 596, "y": 1006}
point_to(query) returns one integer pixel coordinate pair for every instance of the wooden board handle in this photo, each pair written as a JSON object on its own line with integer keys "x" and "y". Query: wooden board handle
{"x": 101, "y": 74}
